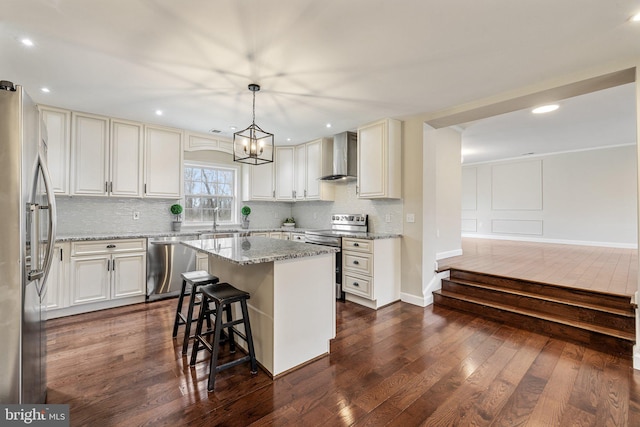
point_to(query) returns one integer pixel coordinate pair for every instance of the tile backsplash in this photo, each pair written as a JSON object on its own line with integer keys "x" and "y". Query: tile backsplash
{"x": 85, "y": 215}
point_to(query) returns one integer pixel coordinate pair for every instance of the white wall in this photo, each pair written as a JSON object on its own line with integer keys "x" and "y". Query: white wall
{"x": 584, "y": 197}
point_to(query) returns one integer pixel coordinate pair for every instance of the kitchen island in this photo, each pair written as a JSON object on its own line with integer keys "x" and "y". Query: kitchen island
{"x": 292, "y": 287}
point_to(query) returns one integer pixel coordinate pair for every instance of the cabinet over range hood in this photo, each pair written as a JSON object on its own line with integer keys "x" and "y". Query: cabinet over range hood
{"x": 345, "y": 166}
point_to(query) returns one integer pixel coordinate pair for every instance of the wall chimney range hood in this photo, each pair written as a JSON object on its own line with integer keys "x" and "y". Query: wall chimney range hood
{"x": 345, "y": 148}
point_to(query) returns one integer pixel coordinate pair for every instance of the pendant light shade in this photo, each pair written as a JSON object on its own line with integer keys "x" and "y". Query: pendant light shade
{"x": 253, "y": 145}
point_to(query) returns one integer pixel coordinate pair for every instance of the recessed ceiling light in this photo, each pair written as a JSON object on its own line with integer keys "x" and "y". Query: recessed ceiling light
{"x": 545, "y": 109}
{"x": 158, "y": 112}
{"x": 328, "y": 125}
{"x": 233, "y": 128}
{"x": 45, "y": 89}
{"x": 635, "y": 18}
{"x": 27, "y": 42}
{"x": 288, "y": 139}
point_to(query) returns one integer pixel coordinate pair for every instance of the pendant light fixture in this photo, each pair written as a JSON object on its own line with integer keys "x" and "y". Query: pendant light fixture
{"x": 253, "y": 145}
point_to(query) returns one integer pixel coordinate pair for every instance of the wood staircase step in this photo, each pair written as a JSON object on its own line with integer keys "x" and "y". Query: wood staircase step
{"x": 602, "y": 338}
{"x": 595, "y": 298}
{"x": 549, "y": 305}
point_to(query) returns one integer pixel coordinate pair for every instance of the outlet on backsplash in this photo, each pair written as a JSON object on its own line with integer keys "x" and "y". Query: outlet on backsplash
{"x": 387, "y": 218}
{"x": 136, "y": 215}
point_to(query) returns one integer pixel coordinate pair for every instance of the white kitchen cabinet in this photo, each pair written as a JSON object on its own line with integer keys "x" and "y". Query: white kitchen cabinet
{"x": 102, "y": 270}
{"x": 128, "y": 273}
{"x": 89, "y": 155}
{"x": 58, "y": 126}
{"x": 163, "y": 155}
{"x": 56, "y": 280}
{"x": 275, "y": 235}
{"x": 284, "y": 166}
{"x": 202, "y": 261}
{"x": 318, "y": 163}
{"x": 197, "y": 142}
{"x": 379, "y": 160}
{"x": 312, "y": 161}
{"x": 257, "y": 182}
{"x": 259, "y": 234}
{"x": 300, "y": 171}
{"x": 90, "y": 279}
{"x": 371, "y": 271}
{"x": 298, "y": 237}
{"x": 106, "y": 156}
{"x": 126, "y": 159}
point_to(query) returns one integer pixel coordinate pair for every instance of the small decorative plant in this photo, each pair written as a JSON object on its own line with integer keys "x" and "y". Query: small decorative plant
{"x": 176, "y": 209}
{"x": 245, "y": 211}
{"x": 289, "y": 222}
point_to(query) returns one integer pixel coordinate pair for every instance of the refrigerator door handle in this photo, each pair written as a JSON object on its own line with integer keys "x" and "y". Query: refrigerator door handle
{"x": 51, "y": 200}
{"x": 34, "y": 272}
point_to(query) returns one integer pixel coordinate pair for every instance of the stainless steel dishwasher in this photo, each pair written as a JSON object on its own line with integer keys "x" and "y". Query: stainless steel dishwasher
{"x": 166, "y": 260}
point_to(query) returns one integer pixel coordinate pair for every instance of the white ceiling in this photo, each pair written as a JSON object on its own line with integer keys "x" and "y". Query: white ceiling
{"x": 343, "y": 62}
{"x": 598, "y": 119}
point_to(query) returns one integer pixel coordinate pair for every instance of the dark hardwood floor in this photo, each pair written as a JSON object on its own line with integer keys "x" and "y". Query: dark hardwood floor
{"x": 400, "y": 366}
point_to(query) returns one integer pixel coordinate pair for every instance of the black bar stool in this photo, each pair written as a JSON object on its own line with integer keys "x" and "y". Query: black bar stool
{"x": 195, "y": 279}
{"x": 223, "y": 295}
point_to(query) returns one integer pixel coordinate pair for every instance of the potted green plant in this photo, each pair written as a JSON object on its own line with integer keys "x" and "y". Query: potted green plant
{"x": 176, "y": 209}
{"x": 289, "y": 222}
{"x": 245, "y": 211}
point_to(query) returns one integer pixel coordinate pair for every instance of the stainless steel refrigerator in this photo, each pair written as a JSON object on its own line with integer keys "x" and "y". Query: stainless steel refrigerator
{"x": 27, "y": 236}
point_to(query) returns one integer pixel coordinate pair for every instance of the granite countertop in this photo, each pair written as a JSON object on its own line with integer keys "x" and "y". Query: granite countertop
{"x": 196, "y": 233}
{"x": 255, "y": 250}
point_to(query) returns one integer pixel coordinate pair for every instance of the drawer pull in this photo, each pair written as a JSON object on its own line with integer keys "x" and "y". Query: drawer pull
{"x": 356, "y": 244}
{"x": 111, "y": 246}
{"x": 356, "y": 262}
{"x": 356, "y": 284}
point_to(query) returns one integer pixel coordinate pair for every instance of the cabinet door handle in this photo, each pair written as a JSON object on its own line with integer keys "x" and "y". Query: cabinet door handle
{"x": 274, "y": 194}
{"x": 111, "y": 187}
{"x": 108, "y": 265}
{"x": 356, "y": 284}
{"x": 113, "y": 265}
{"x": 61, "y": 254}
{"x": 356, "y": 244}
{"x": 106, "y": 186}
{"x": 356, "y": 262}
{"x": 305, "y": 193}
{"x": 111, "y": 246}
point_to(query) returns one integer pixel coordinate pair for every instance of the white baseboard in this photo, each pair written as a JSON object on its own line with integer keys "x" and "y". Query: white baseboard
{"x": 415, "y": 300}
{"x": 448, "y": 254}
{"x": 557, "y": 241}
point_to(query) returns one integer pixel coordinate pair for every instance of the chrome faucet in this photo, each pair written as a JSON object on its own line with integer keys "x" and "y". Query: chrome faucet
{"x": 215, "y": 218}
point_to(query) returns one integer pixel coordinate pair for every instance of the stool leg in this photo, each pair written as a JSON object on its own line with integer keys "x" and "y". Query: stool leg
{"x": 187, "y": 326}
{"x": 213, "y": 362}
{"x": 247, "y": 331}
{"x": 232, "y": 341}
{"x": 196, "y": 342}
{"x": 176, "y": 323}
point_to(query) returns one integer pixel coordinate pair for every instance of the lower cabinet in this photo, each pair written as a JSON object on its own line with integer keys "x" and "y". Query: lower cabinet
{"x": 371, "y": 271}
{"x": 299, "y": 237}
{"x": 56, "y": 287}
{"x": 202, "y": 261}
{"x": 101, "y": 274}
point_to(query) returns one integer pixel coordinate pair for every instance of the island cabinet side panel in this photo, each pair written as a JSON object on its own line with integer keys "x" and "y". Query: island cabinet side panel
{"x": 304, "y": 310}
{"x": 257, "y": 279}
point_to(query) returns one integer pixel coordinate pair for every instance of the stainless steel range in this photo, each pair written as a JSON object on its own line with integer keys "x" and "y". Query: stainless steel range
{"x": 342, "y": 225}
